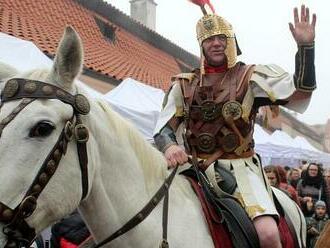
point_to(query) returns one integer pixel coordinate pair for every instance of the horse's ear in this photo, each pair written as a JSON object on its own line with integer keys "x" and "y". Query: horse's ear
{"x": 68, "y": 60}
{"x": 7, "y": 71}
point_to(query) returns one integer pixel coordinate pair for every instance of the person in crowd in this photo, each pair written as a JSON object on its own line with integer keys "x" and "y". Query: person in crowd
{"x": 326, "y": 175}
{"x": 316, "y": 223}
{"x": 70, "y": 232}
{"x": 279, "y": 181}
{"x": 282, "y": 174}
{"x": 294, "y": 177}
{"x": 311, "y": 188}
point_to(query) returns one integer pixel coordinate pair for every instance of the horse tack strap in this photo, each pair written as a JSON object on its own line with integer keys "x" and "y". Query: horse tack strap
{"x": 82, "y": 135}
{"x": 14, "y": 113}
{"x": 144, "y": 213}
{"x": 164, "y": 243}
{"x": 16, "y": 229}
{"x": 18, "y": 88}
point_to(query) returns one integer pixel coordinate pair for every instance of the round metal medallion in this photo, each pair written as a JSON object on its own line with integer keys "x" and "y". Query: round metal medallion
{"x": 206, "y": 142}
{"x": 232, "y": 109}
{"x": 11, "y": 88}
{"x": 230, "y": 142}
{"x": 210, "y": 111}
{"x": 47, "y": 90}
{"x": 81, "y": 104}
{"x": 30, "y": 87}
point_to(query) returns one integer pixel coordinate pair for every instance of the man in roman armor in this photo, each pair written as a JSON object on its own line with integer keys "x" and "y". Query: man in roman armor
{"x": 216, "y": 106}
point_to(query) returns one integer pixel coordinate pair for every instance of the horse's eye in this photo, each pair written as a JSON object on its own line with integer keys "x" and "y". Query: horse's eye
{"x": 42, "y": 129}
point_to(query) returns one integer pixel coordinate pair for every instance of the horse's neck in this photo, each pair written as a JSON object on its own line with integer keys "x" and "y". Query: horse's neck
{"x": 122, "y": 184}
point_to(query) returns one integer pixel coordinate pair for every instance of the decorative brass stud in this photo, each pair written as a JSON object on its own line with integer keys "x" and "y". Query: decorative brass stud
{"x": 7, "y": 214}
{"x": 36, "y": 188}
{"x": 11, "y": 88}
{"x": 43, "y": 178}
{"x": 81, "y": 104}
{"x": 30, "y": 87}
{"x": 51, "y": 167}
{"x": 47, "y": 90}
{"x": 60, "y": 93}
{"x": 140, "y": 216}
{"x": 57, "y": 155}
{"x": 154, "y": 200}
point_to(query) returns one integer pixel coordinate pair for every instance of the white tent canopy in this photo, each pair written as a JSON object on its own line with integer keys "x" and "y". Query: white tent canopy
{"x": 139, "y": 103}
{"x": 280, "y": 148}
{"x": 21, "y": 54}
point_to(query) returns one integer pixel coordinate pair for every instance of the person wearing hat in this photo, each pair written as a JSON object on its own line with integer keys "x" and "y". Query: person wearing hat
{"x": 215, "y": 106}
{"x": 316, "y": 223}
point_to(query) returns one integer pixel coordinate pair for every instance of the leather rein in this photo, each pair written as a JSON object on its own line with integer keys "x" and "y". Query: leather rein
{"x": 18, "y": 232}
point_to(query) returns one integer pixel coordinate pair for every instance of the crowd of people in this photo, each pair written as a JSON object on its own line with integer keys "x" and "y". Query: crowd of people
{"x": 309, "y": 186}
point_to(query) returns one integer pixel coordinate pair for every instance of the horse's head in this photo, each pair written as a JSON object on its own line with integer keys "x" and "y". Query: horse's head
{"x": 40, "y": 113}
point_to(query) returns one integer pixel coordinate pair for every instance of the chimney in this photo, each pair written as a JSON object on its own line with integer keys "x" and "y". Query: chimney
{"x": 144, "y": 11}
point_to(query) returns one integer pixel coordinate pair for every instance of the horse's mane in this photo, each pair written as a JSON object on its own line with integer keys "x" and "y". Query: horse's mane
{"x": 151, "y": 160}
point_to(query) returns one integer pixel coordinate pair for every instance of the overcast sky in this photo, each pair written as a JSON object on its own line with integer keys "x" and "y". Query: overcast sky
{"x": 263, "y": 34}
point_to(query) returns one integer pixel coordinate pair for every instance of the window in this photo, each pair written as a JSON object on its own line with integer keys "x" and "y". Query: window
{"x": 108, "y": 31}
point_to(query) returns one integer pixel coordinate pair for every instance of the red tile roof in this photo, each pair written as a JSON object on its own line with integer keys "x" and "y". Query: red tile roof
{"x": 43, "y": 22}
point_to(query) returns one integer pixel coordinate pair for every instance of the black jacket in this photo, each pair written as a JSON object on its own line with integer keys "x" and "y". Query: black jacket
{"x": 72, "y": 228}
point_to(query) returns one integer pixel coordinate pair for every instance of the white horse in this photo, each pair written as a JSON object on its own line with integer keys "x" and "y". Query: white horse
{"x": 124, "y": 171}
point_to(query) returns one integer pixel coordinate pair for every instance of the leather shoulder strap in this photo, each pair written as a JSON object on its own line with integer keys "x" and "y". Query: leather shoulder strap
{"x": 246, "y": 76}
{"x": 183, "y": 76}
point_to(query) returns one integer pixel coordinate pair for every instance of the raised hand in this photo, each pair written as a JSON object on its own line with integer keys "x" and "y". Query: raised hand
{"x": 303, "y": 31}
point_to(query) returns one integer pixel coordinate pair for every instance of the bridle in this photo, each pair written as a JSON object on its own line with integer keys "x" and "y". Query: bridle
{"x": 18, "y": 232}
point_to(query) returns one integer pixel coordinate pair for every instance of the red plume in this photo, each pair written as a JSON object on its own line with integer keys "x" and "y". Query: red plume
{"x": 201, "y": 3}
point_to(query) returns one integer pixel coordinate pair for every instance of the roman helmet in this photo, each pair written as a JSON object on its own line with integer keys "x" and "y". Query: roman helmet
{"x": 211, "y": 24}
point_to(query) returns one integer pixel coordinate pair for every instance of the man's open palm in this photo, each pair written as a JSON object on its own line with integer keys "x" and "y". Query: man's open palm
{"x": 303, "y": 30}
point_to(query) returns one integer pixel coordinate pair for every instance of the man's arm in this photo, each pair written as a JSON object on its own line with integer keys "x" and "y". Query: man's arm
{"x": 168, "y": 122}
{"x": 303, "y": 31}
{"x": 166, "y": 137}
{"x": 271, "y": 85}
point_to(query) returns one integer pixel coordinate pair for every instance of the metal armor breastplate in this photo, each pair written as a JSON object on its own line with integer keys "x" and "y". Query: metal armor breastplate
{"x": 213, "y": 111}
